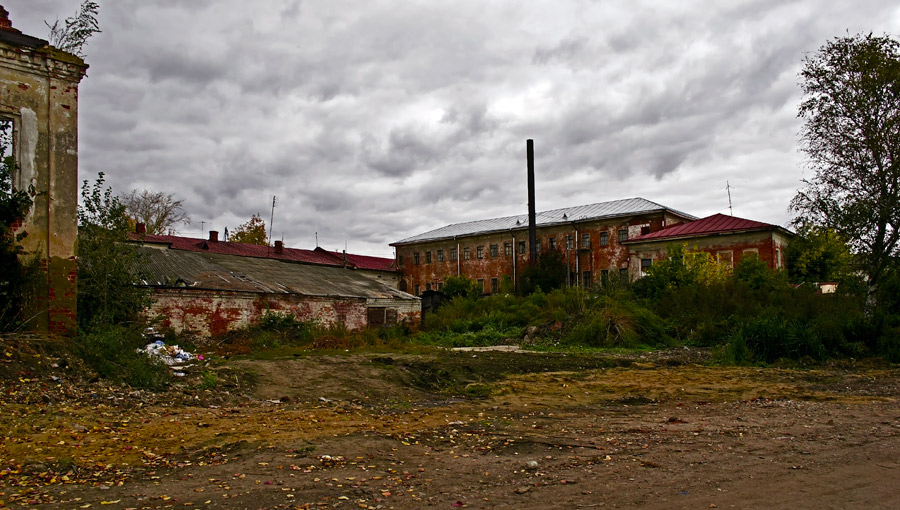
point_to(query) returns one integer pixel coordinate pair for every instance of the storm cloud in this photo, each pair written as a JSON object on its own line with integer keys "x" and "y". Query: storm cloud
{"x": 378, "y": 120}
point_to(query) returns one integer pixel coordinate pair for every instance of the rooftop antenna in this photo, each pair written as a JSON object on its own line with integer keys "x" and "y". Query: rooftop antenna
{"x": 317, "y": 239}
{"x": 202, "y": 230}
{"x": 728, "y": 188}
{"x": 272, "y": 219}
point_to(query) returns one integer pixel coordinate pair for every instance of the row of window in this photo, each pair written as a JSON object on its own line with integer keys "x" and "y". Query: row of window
{"x": 508, "y": 248}
{"x": 586, "y": 279}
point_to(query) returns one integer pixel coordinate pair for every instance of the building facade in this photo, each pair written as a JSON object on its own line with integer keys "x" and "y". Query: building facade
{"x": 591, "y": 238}
{"x": 39, "y": 110}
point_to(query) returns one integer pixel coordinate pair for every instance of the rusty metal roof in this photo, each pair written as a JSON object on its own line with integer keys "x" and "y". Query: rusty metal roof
{"x": 602, "y": 210}
{"x": 168, "y": 268}
{"x": 710, "y": 225}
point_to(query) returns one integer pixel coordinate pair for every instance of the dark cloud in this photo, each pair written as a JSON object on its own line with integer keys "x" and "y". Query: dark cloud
{"x": 372, "y": 122}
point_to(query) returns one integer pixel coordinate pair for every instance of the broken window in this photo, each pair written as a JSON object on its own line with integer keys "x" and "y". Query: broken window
{"x": 521, "y": 247}
{"x": 495, "y": 285}
{"x": 507, "y": 249}
{"x": 440, "y": 255}
{"x": 466, "y": 254}
{"x": 481, "y": 285}
{"x": 551, "y": 243}
{"x": 586, "y": 279}
{"x": 604, "y": 277}
{"x": 623, "y": 235}
{"x": 453, "y": 254}
{"x": 479, "y": 252}
{"x": 494, "y": 250}
{"x": 645, "y": 265}
{"x": 604, "y": 238}
{"x": 585, "y": 240}
{"x": 428, "y": 257}
{"x": 417, "y": 289}
{"x": 381, "y": 316}
{"x": 623, "y": 274}
{"x": 416, "y": 260}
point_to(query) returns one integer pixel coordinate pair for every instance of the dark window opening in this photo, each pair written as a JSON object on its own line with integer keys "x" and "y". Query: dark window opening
{"x": 494, "y": 250}
{"x": 481, "y": 285}
{"x": 586, "y": 279}
{"x": 440, "y": 255}
{"x": 623, "y": 235}
{"x": 623, "y": 274}
{"x": 645, "y": 265}
{"x": 604, "y": 277}
{"x": 495, "y": 285}
{"x": 417, "y": 289}
{"x": 585, "y": 240}
{"x": 604, "y": 238}
{"x": 479, "y": 252}
{"x": 453, "y": 254}
{"x": 521, "y": 247}
{"x": 427, "y": 286}
{"x": 645, "y": 230}
{"x": 466, "y": 254}
{"x": 552, "y": 243}
{"x": 416, "y": 260}
{"x": 428, "y": 257}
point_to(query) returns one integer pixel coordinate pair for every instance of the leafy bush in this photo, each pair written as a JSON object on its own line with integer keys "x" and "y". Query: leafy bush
{"x": 113, "y": 353}
{"x": 614, "y": 323}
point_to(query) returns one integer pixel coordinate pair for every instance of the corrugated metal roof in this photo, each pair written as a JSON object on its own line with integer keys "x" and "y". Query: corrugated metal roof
{"x": 363, "y": 261}
{"x": 624, "y": 207}
{"x": 241, "y": 249}
{"x": 168, "y": 268}
{"x": 715, "y": 224}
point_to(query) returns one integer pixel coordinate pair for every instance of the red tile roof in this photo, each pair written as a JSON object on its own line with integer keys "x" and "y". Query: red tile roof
{"x": 710, "y": 225}
{"x": 318, "y": 256}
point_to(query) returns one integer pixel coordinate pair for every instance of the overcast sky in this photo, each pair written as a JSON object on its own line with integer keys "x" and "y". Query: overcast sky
{"x": 373, "y": 121}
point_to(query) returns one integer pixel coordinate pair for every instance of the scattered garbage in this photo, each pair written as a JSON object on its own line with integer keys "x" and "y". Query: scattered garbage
{"x": 175, "y": 357}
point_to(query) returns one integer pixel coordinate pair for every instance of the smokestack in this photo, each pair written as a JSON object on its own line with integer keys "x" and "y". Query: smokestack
{"x": 279, "y": 247}
{"x": 532, "y": 227}
{"x": 140, "y": 228}
{"x": 213, "y": 235}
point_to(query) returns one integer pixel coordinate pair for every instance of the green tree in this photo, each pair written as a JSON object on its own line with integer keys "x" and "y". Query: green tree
{"x": 851, "y": 135}
{"x": 460, "y": 286}
{"x": 108, "y": 266}
{"x": 547, "y": 274}
{"x": 680, "y": 268}
{"x": 15, "y": 276}
{"x": 252, "y": 232}
{"x": 818, "y": 254}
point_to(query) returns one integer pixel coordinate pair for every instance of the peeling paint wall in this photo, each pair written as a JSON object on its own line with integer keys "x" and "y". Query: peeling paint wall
{"x": 210, "y": 313}
{"x": 39, "y": 95}
{"x": 586, "y": 255}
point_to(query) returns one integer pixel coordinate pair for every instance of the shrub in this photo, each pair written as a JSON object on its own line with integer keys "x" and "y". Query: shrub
{"x": 113, "y": 353}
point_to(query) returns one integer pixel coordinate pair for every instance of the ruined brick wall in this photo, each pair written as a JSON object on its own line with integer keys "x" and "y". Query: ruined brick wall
{"x": 599, "y": 251}
{"x": 728, "y": 249}
{"x": 210, "y": 313}
{"x": 39, "y": 96}
{"x": 408, "y": 310}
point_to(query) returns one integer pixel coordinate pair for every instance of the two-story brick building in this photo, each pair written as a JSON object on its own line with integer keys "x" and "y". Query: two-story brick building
{"x": 495, "y": 251}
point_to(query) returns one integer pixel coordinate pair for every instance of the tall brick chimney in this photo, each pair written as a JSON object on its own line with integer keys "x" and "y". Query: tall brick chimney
{"x": 279, "y": 247}
{"x": 5, "y": 23}
{"x": 213, "y": 235}
{"x": 140, "y": 228}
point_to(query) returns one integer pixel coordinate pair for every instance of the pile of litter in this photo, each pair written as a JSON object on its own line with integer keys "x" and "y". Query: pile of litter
{"x": 175, "y": 357}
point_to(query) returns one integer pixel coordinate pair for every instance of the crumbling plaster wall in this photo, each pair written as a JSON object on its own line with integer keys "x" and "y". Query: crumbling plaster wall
{"x": 209, "y": 313}
{"x": 39, "y": 96}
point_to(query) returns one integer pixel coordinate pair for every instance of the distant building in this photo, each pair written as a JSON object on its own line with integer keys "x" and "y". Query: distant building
{"x": 211, "y": 287}
{"x": 727, "y": 238}
{"x": 592, "y": 239}
{"x": 39, "y": 105}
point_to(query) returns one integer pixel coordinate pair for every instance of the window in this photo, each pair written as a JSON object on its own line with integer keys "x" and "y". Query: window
{"x": 416, "y": 260}
{"x": 777, "y": 258}
{"x": 586, "y": 279}
{"x": 440, "y": 255}
{"x": 725, "y": 258}
{"x": 453, "y": 254}
{"x": 623, "y": 235}
{"x": 551, "y": 243}
{"x": 623, "y": 274}
{"x": 494, "y": 251}
{"x": 521, "y": 247}
{"x": 480, "y": 282}
{"x": 569, "y": 243}
{"x": 645, "y": 265}
{"x": 604, "y": 238}
{"x": 466, "y": 254}
{"x": 507, "y": 249}
{"x": 495, "y": 285}
{"x": 645, "y": 230}
{"x": 428, "y": 257}
{"x": 417, "y": 289}
{"x": 427, "y": 286}
{"x": 537, "y": 245}
{"x": 479, "y": 252}
{"x": 585, "y": 240}
{"x": 440, "y": 286}
{"x": 400, "y": 260}
{"x": 604, "y": 277}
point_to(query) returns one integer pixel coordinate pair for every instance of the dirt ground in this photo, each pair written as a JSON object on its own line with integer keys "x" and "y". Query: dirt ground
{"x": 459, "y": 429}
